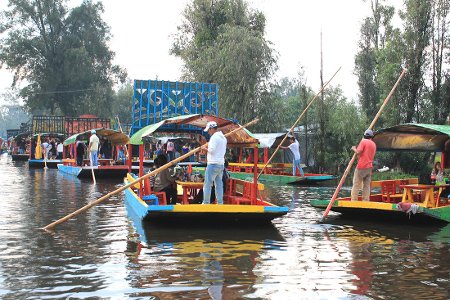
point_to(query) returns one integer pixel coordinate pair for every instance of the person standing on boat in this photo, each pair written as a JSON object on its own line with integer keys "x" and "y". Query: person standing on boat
{"x": 93, "y": 147}
{"x": 80, "y": 150}
{"x": 363, "y": 172}
{"x": 59, "y": 150}
{"x": 46, "y": 147}
{"x": 217, "y": 147}
{"x": 295, "y": 149}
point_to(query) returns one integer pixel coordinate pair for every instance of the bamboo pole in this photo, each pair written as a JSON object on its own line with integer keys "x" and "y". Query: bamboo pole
{"x": 296, "y": 122}
{"x": 154, "y": 172}
{"x": 347, "y": 170}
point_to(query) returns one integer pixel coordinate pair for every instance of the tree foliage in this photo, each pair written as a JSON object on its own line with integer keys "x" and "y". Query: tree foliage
{"x": 223, "y": 42}
{"x": 60, "y": 54}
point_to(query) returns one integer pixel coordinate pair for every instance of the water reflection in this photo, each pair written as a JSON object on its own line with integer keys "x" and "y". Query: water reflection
{"x": 103, "y": 254}
{"x": 197, "y": 262}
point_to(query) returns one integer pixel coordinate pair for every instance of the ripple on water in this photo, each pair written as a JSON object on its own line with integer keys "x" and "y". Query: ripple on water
{"x": 101, "y": 253}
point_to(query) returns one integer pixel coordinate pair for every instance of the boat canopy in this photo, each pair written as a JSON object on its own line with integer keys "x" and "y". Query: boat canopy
{"x": 241, "y": 137}
{"x": 413, "y": 137}
{"x": 114, "y": 136}
{"x": 268, "y": 140}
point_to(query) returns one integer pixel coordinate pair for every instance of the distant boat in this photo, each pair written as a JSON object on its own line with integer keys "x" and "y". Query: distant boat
{"x": 404, "y": 200}
{"x": 107, "y": 168}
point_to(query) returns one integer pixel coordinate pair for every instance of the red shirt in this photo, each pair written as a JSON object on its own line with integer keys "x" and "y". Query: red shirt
{"x": 366, "y": 149}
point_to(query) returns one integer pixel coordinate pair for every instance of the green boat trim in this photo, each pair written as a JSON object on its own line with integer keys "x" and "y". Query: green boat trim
{"x": 362, "y": 209}
{"x": 281, "y": 179}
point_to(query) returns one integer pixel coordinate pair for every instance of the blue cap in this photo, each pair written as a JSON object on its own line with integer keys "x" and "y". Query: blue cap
{"x": 93, "y": 131}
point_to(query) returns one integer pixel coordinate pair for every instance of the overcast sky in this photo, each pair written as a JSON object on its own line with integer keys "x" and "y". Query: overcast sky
{"x": 143, "y": 33}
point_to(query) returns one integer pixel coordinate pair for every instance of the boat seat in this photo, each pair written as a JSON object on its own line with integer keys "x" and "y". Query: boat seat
{"x": 389, "y": 192}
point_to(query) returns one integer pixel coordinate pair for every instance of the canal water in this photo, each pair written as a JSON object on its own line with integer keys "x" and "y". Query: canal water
{"x": 102, "y": 254}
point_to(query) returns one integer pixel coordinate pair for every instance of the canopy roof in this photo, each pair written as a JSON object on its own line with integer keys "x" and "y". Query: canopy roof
{"x": 272, "y": 140}
{"x": 241, "y": 137}
{"x": 114, "y": 136}
{"x": 418, "y": 137}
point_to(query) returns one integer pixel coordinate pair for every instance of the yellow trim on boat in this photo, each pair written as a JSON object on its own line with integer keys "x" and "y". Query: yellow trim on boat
{"x": 365, "y": 204}
{"x": 226, "y": 208}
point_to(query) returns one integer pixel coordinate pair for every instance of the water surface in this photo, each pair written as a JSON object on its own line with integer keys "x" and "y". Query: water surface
{"x": 102, "y": 254}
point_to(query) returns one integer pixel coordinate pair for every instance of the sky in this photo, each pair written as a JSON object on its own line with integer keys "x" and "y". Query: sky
{"x": 143, "y": 30}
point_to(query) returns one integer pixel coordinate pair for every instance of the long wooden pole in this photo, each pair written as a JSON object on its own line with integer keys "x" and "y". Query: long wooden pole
{"x": 296, "y": 122}
{"x": 154, "y": 172}
{"x": 350, "y": 164}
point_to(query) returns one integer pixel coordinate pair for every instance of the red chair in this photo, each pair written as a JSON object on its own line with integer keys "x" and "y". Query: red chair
{"x": 389, "y": 193}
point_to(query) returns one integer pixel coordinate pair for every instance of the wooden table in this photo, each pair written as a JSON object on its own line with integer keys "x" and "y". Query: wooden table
{"x": 410, "y": 193}
{"x": 190, "y": 190}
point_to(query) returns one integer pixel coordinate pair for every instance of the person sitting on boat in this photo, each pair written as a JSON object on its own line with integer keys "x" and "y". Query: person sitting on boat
{"x": 437, "y": 174}
{"x": 93, "y": 147}
{"x": 363, "y": 173}
{"x": 165, "y": 180}
{"x": 217, "y": 147}
{"x": 80, "y": 150}
{"x": 295, "y": 149}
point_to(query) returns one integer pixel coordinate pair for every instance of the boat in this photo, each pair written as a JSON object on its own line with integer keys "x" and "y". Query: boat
{"x": 19, "y": 151}
{"x": 244, "y": 201}
{"x": 404, "y": 200}
{"x": 280, "y": 173}
{"x": 107, "y": 168}
{"x": 35, "y": 161}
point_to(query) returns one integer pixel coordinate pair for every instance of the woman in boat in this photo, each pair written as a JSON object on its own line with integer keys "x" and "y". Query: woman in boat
{"x": 437, "y": 174}
{"x": 165, "y": 180}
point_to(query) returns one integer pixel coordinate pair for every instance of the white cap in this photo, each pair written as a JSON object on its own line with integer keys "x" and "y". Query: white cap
{"x": 210, "y": 125}
{"x": 368, "y": 132}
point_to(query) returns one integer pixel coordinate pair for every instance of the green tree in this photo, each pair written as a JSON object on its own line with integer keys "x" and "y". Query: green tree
{"x": 61, "y": 55}
{"x": 376, "y": 33}
{"x": 223, "y": 42}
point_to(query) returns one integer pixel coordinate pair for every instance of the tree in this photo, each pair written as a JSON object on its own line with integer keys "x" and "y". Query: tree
{"x": 223, "y": 42}
{"x": 376, "y": 33}
{"x": 61, "y": 54}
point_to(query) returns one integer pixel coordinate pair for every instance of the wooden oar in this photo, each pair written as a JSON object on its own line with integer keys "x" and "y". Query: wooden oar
{"x": 296, "y": 122}
{"x": 92, "y": 167}
{"x": 154, "y": 172}
{"x": 347, "y": 170}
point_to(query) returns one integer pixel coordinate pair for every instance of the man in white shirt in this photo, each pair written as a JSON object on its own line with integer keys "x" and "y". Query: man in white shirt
{"x": 93, "y": 147}
{"x": 60, "y": 150}
{"x": 46, "y": 147}
{"x": 295, "y": 149}
{"x": 217, "y": 148}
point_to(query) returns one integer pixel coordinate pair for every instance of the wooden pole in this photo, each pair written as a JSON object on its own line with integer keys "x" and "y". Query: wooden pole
{"x": 347, "y": 170}
{"x": 154, "y": 172}
{"x": 296, "y": 122}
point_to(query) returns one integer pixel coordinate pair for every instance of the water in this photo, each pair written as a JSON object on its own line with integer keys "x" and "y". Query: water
{"x": 102, "y": 254}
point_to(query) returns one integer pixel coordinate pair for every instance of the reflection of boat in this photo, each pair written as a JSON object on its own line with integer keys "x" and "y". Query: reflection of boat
{"x": 243, "y": 200}
{"x": 20, "y": 157}
{"x": 404, "y": 200}
{"x": 107, "y": 168}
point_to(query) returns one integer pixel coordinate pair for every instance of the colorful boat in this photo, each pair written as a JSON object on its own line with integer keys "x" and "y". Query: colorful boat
{"x": 280, "y": 173}
{"x": 35, "y": 162}
{"x": 404, "y": 200}
{"x": 107, "y": 168}
{"x": 244, "y": 201}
